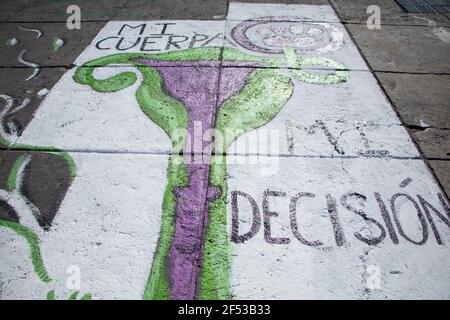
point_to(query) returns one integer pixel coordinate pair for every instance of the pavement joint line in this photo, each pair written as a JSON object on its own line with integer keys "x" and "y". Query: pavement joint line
{"x": 53, "y": 21}
{"x": 118, "y": 152}
{"x": 71, "y": 66}
{"x": 409, "y": 72}
{"x": 393, "y": 106}
{"x": 397, "y": 25}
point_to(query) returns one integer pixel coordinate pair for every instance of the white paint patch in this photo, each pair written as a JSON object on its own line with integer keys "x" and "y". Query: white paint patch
{"x": 43, "y": 92}
{"x": 249, "y": 11}
{"x": 442, "y": 34}
{"x": 37, "y": 31}
{"x": 261, "y": 270}
{"x": 33, "y": 65}
{"x": 12, "y": 42}
{"x": 107, "y": 225}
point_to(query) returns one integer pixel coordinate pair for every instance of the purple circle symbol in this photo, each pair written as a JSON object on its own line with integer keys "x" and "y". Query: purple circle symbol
{"x": 272, "y": 34}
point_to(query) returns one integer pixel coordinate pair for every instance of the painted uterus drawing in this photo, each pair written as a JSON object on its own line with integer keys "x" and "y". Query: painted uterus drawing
{"x": 191, "y": 93}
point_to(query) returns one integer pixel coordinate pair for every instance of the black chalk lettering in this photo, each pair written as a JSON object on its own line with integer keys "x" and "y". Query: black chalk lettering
{"x": 119, "y": 43}
{"x": 171, "y": 41}
{"x": 164, "y": 28}
{"x": 423, "y": 222}
{"x": 362, "y": 214}
{"x": 217, "y": 36}
{"x": 386, "y": 217}
{"x": 256, "y": 223}
{"x": 146, "y": 41}
{"x": 336, "y": 224}
{"x": 197, "y": 38}
{"x": 97, "y": 45}
{"x": 426, "y": 205}
{"x": 142, "y": 26}
{"x": 293, "y": 218}
{"x": 268, "y": 214}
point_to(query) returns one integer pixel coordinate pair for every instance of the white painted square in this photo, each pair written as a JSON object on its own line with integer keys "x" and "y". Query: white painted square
{"x": 261, "y": 270}
{"x": 252, "y": 11}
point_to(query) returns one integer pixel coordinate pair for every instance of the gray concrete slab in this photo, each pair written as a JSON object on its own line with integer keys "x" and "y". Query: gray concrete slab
{"x": 391, "y": 13}
{"x": 404, "y": 48}
{"x": 421, "y": 99}
{"x": 441, "y": 169}
{"x": 40, "y": 50}
{"x": 435, "y": 143}
{"x": 48, "y": 10}
{"x": 11, "y": 7}
{"x": 177, "y": 9}
{"x": 32, "y": 92}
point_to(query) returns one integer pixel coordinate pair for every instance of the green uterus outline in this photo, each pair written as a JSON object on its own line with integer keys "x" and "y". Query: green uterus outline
{"x": 267, "y": 90}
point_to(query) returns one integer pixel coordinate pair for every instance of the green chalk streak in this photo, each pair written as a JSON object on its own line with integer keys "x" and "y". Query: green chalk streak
{"x": 170, "y": 115}
{"x": 57, "y": 43}
{"x": 33, "y": 243}
{"x": 12, "y": 178}
{"x": 165, "y": 111}
{"x": 265, "y": 94}
{"x": 65, "y": 155}
{"x": 73, "y": 296}
{"x": 87, "y": 296}
{"x": 51, "y": 295}
{"x": 193, "y": 54}
{"x": 231, "y": 54}
{"x": 294, "y": 61}
{"x": 215, "y": 273}
{"x": 158, "y": 284}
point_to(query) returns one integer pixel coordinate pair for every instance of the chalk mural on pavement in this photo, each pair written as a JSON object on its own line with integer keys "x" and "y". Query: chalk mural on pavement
{"x": 151, "y": 214}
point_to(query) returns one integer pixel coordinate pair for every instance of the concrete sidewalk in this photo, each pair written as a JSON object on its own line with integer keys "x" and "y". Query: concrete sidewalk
{"x": 356, "y": 121}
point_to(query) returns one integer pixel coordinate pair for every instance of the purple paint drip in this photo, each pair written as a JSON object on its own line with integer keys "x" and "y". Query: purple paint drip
{"x": 194, "y": 83}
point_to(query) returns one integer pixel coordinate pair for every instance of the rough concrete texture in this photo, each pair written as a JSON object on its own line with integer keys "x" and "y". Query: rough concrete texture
{"x": 56, "y": 11}
{"x": 335, "y": 201}
{"x": 404, "y": 48}
{"x": 38, "y": 44}
{"x": 27, "y": 93}
{"x": 391, "y": 13}
{"x": 11, "y": 7}
{"x": 434, "y": 143}
{"x": 421, "y": 99}
{"x": 178, "y": 9}
{"x": 441, "y": 169}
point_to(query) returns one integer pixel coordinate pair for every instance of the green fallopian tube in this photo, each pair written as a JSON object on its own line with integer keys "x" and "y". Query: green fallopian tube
{"x": 256, "y": 102}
